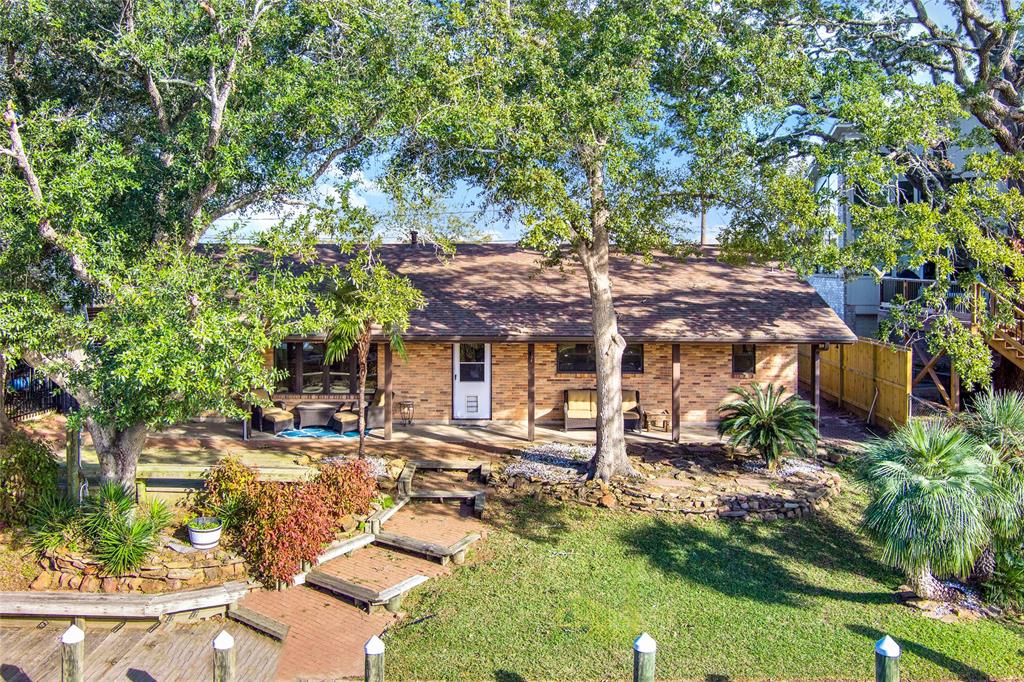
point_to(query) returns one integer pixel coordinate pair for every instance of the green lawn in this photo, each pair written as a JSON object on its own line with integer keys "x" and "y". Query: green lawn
{"x": 560, "y": 593}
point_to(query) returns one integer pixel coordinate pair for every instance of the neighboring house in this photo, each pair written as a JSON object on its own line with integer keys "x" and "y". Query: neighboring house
{"x": 862, "y": 301}
{"x": 499, "y": 329}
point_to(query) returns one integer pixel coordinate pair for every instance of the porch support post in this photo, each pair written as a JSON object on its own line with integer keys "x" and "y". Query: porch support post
{"x": 389, "y": 399}
{"x": 677, "y": 394}
{"x": 531, "y": 391}
{"x": 816, "y": 382}
{"x": 954, "y": 388}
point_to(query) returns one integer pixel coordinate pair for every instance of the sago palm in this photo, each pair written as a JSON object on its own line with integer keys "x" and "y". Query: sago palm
{"x": 931, "y": 491}
{"x": 764, "y": 421}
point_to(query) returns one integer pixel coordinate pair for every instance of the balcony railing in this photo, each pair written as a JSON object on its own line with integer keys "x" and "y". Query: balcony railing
{"x": 910, "y": 289}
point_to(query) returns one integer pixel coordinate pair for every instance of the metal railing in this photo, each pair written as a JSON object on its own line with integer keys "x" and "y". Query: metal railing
{"x": 27, "y": 394}
{"x": 894, "y": 289}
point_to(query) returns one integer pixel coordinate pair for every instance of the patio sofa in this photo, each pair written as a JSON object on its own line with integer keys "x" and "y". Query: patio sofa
{"x": 580, "y": 409}
{"x": 277, "y": 417}
{"x": 347, "y": 419}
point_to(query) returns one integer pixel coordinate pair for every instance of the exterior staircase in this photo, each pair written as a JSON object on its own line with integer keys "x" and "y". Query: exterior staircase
{"x": 357, "y": 586}
{"x": 1008, "y": 339}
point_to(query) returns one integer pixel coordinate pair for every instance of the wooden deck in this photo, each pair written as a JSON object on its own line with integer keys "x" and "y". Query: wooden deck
{"x": 177, "y": 652}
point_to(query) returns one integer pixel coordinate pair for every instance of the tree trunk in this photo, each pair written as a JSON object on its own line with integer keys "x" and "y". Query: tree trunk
{"x": 118, "y": 450}
{"x": 6, "y": 426}
{"x": 610, "y": 457}
{"x": 363, "y": 351}
{"x": 927, "y": 586}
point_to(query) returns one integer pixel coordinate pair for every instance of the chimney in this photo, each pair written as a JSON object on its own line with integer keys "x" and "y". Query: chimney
{"x": 414, "y": 237}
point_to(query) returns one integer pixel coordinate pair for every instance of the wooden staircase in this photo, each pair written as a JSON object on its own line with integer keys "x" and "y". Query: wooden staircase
{"x": 1007, "y": 339}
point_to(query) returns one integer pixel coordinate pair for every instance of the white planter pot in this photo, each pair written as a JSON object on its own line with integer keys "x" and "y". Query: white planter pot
{"x": 207, "y": 538}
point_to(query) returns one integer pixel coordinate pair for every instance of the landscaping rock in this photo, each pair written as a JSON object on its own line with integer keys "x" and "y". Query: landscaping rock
{"x": 42, "y": 581}
{"x": 608, "y": 501}
{"x": 90, "y": 583}
{"x": 109, "y": 585}
{"x": 348, "y": 523}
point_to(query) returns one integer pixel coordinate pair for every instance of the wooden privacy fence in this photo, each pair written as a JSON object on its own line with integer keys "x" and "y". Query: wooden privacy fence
{"x": 869, "y": 378}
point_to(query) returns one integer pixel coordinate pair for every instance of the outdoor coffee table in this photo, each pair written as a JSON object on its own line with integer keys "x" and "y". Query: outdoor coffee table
{"x": 315, "y": 413}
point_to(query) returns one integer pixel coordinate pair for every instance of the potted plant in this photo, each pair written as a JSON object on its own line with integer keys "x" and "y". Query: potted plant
{"x": 204, "y": 532}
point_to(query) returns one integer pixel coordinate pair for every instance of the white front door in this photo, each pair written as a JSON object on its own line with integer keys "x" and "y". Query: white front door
{"x": 471, "y": 385}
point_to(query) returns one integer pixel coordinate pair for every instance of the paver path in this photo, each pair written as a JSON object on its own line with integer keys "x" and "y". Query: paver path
{"x": 442, "y": 524}
{"x": 326, "y": 635}
{"x": 377, "y": 568}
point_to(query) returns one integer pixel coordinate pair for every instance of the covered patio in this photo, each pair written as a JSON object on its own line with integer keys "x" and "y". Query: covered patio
{"x": 200, "y": 444}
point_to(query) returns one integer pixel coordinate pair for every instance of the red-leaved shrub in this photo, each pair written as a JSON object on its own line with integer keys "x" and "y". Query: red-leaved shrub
{"x": 348, "y": 487}
{"x": 285, "y": 524}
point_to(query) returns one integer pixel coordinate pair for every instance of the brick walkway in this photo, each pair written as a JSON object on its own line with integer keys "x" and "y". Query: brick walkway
{"x": 378, "y": 569}
{"x": 326, "y": 635}
{"x": 442, "y": 524}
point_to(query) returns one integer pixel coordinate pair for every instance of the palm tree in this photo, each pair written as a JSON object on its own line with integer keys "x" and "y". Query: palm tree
{"x": 997, "y": 419}
{"x": 765, "y": 421}
{"x": 931, "y": 494}
{"x": 371, "y": 296}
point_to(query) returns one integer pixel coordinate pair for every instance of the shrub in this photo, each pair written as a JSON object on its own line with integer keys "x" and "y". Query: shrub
{"x": 226, "y": 487}
{"x": 1006, "y": 586}
{"x": 762, "y": 421}
{"x": 119, "y": 534}
{"x": 347, "y": 487}
{"x": 286, "y": 524}
{"x": 54, "y": 524}
{"x": 28, "y": 476}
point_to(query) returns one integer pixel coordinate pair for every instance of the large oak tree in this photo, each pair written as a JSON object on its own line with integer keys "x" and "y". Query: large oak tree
{"x": 129, "y": 128}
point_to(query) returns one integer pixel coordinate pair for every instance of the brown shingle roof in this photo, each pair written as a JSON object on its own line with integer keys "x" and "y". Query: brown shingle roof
{"x": 501, "y": 292}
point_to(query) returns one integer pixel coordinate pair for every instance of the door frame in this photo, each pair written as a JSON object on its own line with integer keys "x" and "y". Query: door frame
{"x": 488, "y": 366}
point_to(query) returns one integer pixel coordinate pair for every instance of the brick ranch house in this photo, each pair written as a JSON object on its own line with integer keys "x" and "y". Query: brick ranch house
{"x": 502, "y": 337}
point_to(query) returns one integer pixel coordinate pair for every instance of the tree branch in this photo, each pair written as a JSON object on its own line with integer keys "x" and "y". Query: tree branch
{"x": 45, "y": 229}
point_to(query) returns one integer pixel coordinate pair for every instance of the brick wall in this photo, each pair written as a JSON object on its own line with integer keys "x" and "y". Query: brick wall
{"x": 706, "y": 376}
{"x": 425, "y": 377}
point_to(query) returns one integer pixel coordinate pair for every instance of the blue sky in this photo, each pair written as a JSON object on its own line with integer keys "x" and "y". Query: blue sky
{"x": 465, "y": 201}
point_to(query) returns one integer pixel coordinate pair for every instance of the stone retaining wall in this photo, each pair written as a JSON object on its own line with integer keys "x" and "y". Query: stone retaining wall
{"x": 160, "y": 574}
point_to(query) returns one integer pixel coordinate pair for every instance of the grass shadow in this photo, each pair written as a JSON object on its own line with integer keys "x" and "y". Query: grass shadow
{"x": 508, "y": 676}
{"x": 539, "y": 520}
{"x": 749, "y": 560}
{"x": 961, "y": 670}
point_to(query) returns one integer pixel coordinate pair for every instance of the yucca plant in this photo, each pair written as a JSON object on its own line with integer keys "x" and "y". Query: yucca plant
{"x": 53, "y": 524}
{"x": 110, "y": 506}
{"x": 122, "y": 547}
{"x": 931, "y": 490}
{"x": 765, "y": 421}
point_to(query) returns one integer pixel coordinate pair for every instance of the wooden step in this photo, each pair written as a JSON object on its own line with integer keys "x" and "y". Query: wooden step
{"x": 455, "y": 552}
{"x": 364, "y": 596}
{"x": 335, "y": 550}
{"x": 373, "y": 576}
{"x": 443, "y": 494}
{"x": 258, "y": 621}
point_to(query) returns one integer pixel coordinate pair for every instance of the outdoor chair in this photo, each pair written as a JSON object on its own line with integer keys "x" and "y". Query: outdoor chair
{"x": 580, "y": 409}
{"x": 276, "y": 417}
{"x": 347, "y": 418}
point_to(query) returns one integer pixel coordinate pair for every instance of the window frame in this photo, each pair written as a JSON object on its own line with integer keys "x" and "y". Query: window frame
{"x": 560, "y": 370}
{"x": 740, "y": 350}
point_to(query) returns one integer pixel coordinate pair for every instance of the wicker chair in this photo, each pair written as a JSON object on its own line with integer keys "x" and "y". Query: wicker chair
{"x": 277, "y": 417}
{"x": 347, "y": 418}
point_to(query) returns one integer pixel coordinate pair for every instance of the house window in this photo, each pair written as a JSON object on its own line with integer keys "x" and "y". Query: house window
{"x": 578, "y": 358}
{"x": 744, "y": 358}
{"x": 305, "y": 370}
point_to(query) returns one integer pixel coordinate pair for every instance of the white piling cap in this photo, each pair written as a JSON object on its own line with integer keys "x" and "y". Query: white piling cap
{"x": 223, "y": 641}
{"x": 374, "y": 646}
{"x": 73, "y": 635}
{"x": 887, "y": 647}
{"x": 645, "y": 644}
